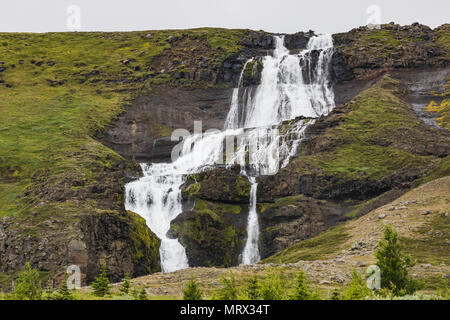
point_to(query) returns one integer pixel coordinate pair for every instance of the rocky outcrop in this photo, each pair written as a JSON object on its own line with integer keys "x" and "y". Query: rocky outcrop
{"x": 219, "y": 185}
{"x": 120, "y": 241}
{"x": 362, "y": 50}
{"x": 79, "y": 219}
{"x": 298, "y": 41}
{"x": 293, "y": 219}
{"x": 212, "y": 233}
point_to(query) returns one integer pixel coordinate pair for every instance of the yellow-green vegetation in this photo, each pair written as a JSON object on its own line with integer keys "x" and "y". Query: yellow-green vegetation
{"x": 279, "y": 202}
{"x": 319, "y": 247}
{"x": 385, "y": 38}
{"x": 442, "y": 108}
{"x": 366, "y": 145}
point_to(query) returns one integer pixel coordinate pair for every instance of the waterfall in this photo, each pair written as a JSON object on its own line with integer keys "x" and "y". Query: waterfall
{"x": 157, "y": 195}
{"x": 251, "y": 251}
{"x": 232, "y": 120}
{"x": 290, "y": 87}
{"x": 283, "y": 94}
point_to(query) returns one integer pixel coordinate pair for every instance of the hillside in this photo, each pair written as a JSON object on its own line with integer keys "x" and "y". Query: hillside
{"x": 80, "y": 110}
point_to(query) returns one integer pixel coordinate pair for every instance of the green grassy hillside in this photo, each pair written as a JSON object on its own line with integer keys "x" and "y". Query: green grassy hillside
{"x": 58, "y": 89}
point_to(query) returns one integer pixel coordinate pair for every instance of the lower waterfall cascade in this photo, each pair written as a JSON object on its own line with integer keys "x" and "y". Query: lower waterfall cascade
{"x": 292, "y": 85}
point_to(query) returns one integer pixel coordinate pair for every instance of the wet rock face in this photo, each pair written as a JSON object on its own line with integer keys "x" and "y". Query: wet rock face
{"x": 143, "y": 132}
{"x": 424, "y": 86}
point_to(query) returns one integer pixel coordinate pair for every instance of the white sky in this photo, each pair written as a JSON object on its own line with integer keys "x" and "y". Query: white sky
{"x": 284, "y": 16}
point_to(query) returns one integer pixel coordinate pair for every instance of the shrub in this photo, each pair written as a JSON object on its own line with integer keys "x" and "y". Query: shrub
{"x": 142, "y": 295}
{"x": 192, "y": 291}
{"x": 251, "y": 290}
{"x": 394, "y": 265}
{"x": 101, "y": 284}
{"x": 229, "y": 290}
{"x": 28, "y": 286}
{"x": 357, "y": 288}
{"x": 273, "y": 287}
{"x": 335, "y": 295}
{"x": 63, "y": 292}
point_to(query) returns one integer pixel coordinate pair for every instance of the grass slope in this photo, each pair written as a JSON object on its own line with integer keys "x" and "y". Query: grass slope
{"x": 58, "y": 89}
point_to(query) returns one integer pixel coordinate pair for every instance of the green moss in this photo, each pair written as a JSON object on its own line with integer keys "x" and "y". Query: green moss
{"x": 374, "y": 162}
{"x": 242, "y": 187}
{"x": 384, "y": 37}
{"x": 211, "y": 228}
{"x": 444, "y": 38}
{"x": 161, "y": 79}
{"x": 146, "y": 244}
{"x": 280, "y": 202}
{"x": 253, "y": 70}
{"x": 319, "y": 247}
{"x": 442, "y": 170}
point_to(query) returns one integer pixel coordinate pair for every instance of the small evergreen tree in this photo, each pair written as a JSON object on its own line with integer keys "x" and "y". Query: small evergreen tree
{"x": 142, "y": 295}
{"x": 125, "y": 286}
{"x": 101, "y": 284}
{"x": 252, "y": 288}
{"x": 357, "y": 288}
{"x": 192, "y": 291}
{"x": 134, "y": 293}
{"x": 63, "y": 292}
{"x": 335, "y": 295}
{"x": 28, "y": 286}
{"x": 394, "y": 264}
{"x": 301, "y": 289}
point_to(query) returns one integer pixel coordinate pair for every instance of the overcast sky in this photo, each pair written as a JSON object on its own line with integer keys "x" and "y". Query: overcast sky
{"x": 284, "y": 16}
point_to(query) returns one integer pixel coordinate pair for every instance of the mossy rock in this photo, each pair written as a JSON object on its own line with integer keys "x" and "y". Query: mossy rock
{"x": 213, "y": 233}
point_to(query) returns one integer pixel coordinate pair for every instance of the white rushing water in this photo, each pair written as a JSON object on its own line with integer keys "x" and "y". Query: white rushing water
{"x": 292, "y": 85}
{"x": 251, "y": 250}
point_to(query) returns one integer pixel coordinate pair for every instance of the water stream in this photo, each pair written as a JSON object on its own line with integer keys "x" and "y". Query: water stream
{"x": 292, "y": 85}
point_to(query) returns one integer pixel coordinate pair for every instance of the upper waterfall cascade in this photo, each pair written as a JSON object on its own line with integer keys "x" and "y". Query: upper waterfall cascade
{"x": 292, "y": 85}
